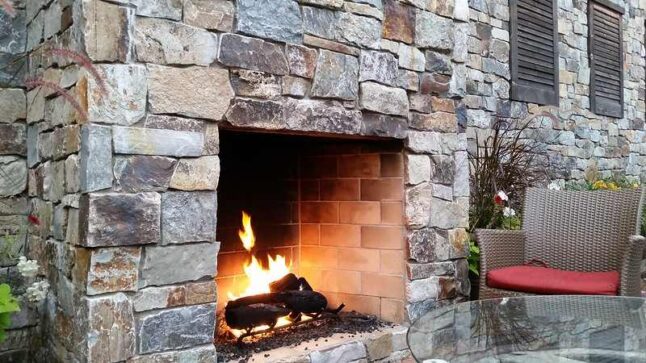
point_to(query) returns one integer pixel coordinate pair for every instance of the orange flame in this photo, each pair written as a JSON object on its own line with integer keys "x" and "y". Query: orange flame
{"x": 258, "y": 277}
{"x": 246, "y": 234}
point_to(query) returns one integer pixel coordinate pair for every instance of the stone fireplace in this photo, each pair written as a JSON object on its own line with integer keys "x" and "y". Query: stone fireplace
{"x": 338, "y": 126}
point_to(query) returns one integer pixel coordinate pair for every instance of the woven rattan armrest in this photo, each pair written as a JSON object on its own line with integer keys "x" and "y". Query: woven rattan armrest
{"x": 500, "y": 248}
{"x": 630, "y": 267}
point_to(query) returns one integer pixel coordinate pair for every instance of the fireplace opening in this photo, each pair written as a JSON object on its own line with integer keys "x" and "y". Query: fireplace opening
{"x": 329, "y": 211}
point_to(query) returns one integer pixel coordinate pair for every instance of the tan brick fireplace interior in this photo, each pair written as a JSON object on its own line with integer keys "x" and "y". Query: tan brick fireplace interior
{"x": 333, "y": 207}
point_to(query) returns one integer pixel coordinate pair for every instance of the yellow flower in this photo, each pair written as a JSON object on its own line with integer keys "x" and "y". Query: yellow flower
{"x": 612, "y": 186}
{"x": 599, "y": 184}
{"x": 635, "y": 185}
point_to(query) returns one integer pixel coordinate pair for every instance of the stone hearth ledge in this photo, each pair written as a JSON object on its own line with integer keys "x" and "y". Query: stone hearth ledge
{"x": 383, "y": 345}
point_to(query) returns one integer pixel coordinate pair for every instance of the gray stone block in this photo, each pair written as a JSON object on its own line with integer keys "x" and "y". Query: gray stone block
{"x": 278, "y": 20}
{"x": 383, "y": 99}
{"x": 176, "y": 328}
{"x": 379, "y": 67}
{"x": 13, "y": 175}
{"x": 164, "y": 265}
{"x": 96, "y": 158}
{"x": 336, "y": 76}
{"x": 143, "y": 173}
{"x": 110, "y": 324}
{"x": 120, "y": 219}
{"x": 188, "y": 217}
{"x": 162, "y": 41}
{"x": 131, "y": 140}
{"x": 251, "y": 53}
{"x": 205, "y": 91}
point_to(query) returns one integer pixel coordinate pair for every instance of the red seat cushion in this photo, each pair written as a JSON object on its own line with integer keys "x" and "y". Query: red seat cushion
{"x": 544, "y": 280}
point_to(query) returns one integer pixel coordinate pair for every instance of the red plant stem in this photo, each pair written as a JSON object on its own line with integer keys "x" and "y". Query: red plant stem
{"x": 7, "y": 6}
{"x": 38, "y": 82}
{"x": 81, "y": 60}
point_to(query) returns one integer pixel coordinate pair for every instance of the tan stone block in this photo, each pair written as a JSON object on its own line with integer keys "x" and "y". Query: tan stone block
{"x": 321, "y": 257}
{"x": 108, "y": 29}
{"x": 392, "y": 165}
{"x": 382, "y": 189}
{"x": 359, "y": 259}
{"x": 393, "y": 310}
{"x": 196, "y": 174}
{"x": 360, "y": 212}
{"x": 391, "y": 238}
{"x": 377, "y": 284}
{"x": 319, "y": 212}
{"x": 392, "y": 213}
{"x": 341, "y": 281}
{"x": 113, "y": 269}
{"x": 310, "y": 234}
{"x": 340, "y": 235}
{"x": 392, "y": 262}
{"x": 340, "y": 189}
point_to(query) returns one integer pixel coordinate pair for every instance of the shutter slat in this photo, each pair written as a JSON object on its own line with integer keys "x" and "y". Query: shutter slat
{"x": 606, "y": 55}
{"x": 607, "y": 28}
{"x": 606, "y": 60}
{"x": 534, "y": 51}
{"x": 533, "y": 81}
{"x": 548, "y": 66}
{"x": 534, "y": 15}
{"x": 527, "y": 27}
{"x": 529, "y": 18}
{"x": 528, "y": 56}
{"x": 614, "y": 38}
{"x": 524, "y": 43}
{"x": 532, "y": 8}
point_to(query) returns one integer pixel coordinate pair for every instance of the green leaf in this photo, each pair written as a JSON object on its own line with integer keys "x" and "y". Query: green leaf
{"x": 8, "y": 303}
{"x": 5, "y": 320}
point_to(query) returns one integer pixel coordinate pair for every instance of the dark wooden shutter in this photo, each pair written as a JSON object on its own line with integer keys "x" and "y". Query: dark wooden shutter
{"x": 606, "y": 59}
{"x": 534, "y": 51}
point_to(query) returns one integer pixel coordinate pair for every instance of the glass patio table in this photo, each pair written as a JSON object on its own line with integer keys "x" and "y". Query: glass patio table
{"x": 533, "y": 329}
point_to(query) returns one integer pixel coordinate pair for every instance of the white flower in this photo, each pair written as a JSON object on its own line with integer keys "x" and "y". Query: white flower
{"x": 554, "y": 186}
{"x": 503, "y": 196}
{"x": 508, "y": 212}
{"x": 37, "y": 291}
{"x": 27, "y": 268}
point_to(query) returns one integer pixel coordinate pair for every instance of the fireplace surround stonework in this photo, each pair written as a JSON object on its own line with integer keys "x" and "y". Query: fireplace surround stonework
{"x": 129, "y": 197}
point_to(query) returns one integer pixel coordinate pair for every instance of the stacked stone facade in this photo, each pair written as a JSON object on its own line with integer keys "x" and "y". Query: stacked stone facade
{"x": 126, "y": 189}
{"x": 14, "y": 202}
{"x": 575, "y": 140}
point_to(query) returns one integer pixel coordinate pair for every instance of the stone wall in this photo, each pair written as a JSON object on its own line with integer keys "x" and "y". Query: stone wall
{"x": 575, "y": 140}
{"x": 126, "y": 186}
{"x": 23, "y": 338}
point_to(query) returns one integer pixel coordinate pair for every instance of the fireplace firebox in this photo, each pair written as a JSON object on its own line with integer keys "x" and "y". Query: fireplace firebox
{"x": 328, "y": 210}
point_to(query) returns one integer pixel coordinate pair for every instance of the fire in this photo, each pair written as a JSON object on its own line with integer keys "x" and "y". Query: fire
{"x": 258, "y": 277}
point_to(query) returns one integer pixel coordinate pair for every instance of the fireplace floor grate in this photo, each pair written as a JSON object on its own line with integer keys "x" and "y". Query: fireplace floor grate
{"x": 306, "y": 338}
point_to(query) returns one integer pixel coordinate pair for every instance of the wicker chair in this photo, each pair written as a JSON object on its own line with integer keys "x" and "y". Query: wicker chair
{"x": 570, "y": 230}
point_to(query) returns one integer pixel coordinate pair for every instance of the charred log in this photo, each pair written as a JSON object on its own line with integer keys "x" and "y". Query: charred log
{"x": 287, "y": 283}
{"x": 247, "y": 317}
{"x": 270, "y": 298}
{"x": 303, "y": 301}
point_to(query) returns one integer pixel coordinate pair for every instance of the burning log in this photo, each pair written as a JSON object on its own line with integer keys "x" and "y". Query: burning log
{"x": 247, "y": 317}
{"x": 297, "y": 301}
{"x": 290, "y": 296}
{"x": 303, "y": 301}
{"x": 290, "y": 283}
